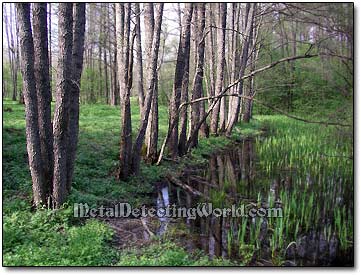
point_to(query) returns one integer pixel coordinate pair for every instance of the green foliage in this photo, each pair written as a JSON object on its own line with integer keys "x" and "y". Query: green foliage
{"x": 318, "y": 87}
{"x": 9, "y": 85}
{"x": 167, "y": 253}
{"x": 47, "y": 238}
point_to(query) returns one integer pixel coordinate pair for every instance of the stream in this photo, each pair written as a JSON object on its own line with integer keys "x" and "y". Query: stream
{"x": 317, "y": 224}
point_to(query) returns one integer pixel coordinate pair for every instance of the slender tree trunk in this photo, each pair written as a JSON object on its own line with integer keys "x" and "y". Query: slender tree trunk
{"x": 221, "y": 43}
{"x": 105, "y": 14}
{"x": 233, "y": 107}
{"x": 41, "y": 66}
{"x": 14, "y": 53}
{"x": 210, "y": 49}
{"x": 50, "y": 53}
{"x": 183, "y": 114}
{"x": 123, "y": 13}
{"x": 11, "y": 50}
{"x": 180, "y": 71}
{"x": 139, "y": 62}
{"x": 151, "y": 81}
{"x": 116, "y": 88}
{"x": 233, "y": 116}
{"x": 30, "y": 98}
{"x": 197, "y": 91}
{"x": 149, "y": 33}
{"x": 152, "y": 143}
{"x": 61, "y": 115}
{"x": 77, "y": 68}
{"x": 247, "y": 103}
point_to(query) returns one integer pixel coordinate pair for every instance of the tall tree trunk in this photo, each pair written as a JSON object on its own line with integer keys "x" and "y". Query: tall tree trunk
{"x": 233, "y": 116}
{"x": 105, "y": 14}
{"x": 77, "y": 68}
{"x": 123, "y": 13}
{"x": 50, "y": 53}
{"x": 41, "y": 66}
{"x": 139, "y": 62}
{"x": 183, "y": 120}
{"x": 149, "y": 33}
{"x": 234, "y": 101}
{"x": 221, "y": 43}
{"x": 197, "y": 90}
{"x": 21, "y": 94}
{"x": 15, "y": 53}
{"x": 116, "y": 89}
{"x": 61, "y": 114}
{"x": 11, "y": 50}
{"x": 180, "y": 71}
{"x": 247, "y": 103}
{"x": 30, "y": 98}
{"x": 210, "y": 49}
{"x": 151, "y": 81}
{"x": 153, "y": 127}
{"x": 204, "y": 130}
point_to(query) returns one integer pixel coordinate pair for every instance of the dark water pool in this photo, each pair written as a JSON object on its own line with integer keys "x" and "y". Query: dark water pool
{"x": 317, "y": 224}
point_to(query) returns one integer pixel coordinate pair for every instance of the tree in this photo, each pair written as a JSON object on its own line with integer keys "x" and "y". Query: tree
{"x": 50, "y": 49}
{"x": 42, "y": 78}
{"x": 12, "y": 50}
{"x": 248, "y": 30}
{"x": 61, "y": 113}
{"x": 221, "y": 41}
{"x": 197, "y": 91}
{"x": 139, "y": 62}
{"x": 151, "y": 80}
{"x": 77, "y": 68}
{"x": 248, "y": 42}
{"x": 151, "y": 135}
{"x": 51, "y": 150}
{"x": 30, "y": 98}
{"x": 181, "y": 71}
{"x": 123, "y": 12}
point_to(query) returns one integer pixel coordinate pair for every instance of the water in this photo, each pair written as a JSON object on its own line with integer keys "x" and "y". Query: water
{"x": 317, "y": 223}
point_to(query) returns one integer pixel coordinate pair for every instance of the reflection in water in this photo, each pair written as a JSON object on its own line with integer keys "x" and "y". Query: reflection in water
{"x": 162, "y": 202}
{"x": 308, "y": 235}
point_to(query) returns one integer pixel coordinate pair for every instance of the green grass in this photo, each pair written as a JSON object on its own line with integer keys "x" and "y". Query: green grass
{"x": 320, "y": 197}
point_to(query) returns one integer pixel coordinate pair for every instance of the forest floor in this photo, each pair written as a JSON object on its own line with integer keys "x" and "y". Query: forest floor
{"x": 94, "y": 183}
{"x": 58, "y": 238}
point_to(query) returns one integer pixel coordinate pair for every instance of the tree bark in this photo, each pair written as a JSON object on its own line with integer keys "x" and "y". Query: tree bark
{"x": 123, "y": 12}
{"x": 151, "y": 80}
{"x": 77, "y": 68}
{"x": 61, "y": 115}
{"x": 183, "y": 121}
{"x": 30, "y": 98}
{"x": 233, "y": 101}
{"x": 50, "y": 53}
{"x": 221, "y": 43}
{"x": 197, "y": 91}
{"x": 139, "y": 62}
{"x": 11, "y": 51}
{"x": 116, "y": 88}
{"x": 233, "y": 116}
{"x": 41, "y": 66}
{"x": 246, "y": 102}
{"x": 180, "y": 71}
{"x": 149, "y": 33}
